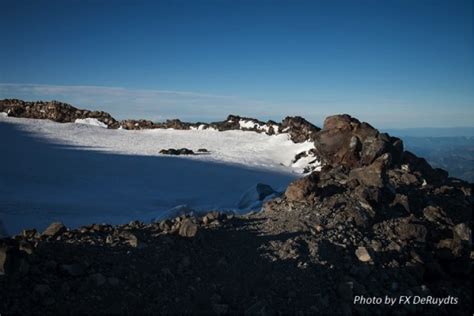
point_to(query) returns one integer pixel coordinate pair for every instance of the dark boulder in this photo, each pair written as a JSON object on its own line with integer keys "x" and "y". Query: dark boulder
{"x": 346, "y": 141}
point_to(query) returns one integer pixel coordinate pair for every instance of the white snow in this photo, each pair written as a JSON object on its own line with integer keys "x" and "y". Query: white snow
{"x": 91, "y": 121}
{"x": 3, "y": 114}
{"x": 81, "y": 174}
{"x": 306, "y": 161}
{"x": 246, "y": 124}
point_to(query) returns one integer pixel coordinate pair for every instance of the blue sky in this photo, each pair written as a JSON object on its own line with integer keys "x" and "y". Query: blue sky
{"x": 391, "y": 63}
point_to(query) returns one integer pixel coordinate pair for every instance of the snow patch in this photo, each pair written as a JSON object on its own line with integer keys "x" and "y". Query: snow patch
{"x": 246, "y": 124}
{"x": 91, "y": 121}
{"x": 3, "y": 114}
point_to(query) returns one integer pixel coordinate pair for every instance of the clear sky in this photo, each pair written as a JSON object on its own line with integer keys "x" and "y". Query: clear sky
{"x": 391, "y": 63}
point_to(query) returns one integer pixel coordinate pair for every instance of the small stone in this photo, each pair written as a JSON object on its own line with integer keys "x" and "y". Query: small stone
{"x": 362, "y": 254}
{"x": 55, "y": 229}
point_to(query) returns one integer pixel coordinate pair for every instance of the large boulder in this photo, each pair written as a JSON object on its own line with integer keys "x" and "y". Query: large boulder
{"x": 346, "y": 141}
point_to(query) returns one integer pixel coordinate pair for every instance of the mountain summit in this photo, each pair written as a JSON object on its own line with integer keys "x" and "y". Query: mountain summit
{"x": 373, "y": 221}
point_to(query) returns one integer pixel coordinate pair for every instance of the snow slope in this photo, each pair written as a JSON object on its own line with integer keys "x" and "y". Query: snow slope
{"x": 80, "y": 174}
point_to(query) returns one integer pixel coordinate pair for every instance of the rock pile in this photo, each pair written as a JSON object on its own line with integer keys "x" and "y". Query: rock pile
{"x": 53, "y": 110}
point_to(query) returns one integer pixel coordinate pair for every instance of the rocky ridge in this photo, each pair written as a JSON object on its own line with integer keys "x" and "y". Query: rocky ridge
{"x": 374, "y": 221}
{"x": 297, "y": 127}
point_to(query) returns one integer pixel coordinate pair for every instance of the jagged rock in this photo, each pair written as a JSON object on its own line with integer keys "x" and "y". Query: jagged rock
{"x": 436, "y": 214}
{"x": 346, "y": 141}
{"x": 422, "y": 167}
{"x": 372, "y": 175}
{"x": 188, "y": 228}
{"x": 55, "y": 229}
{"x": 300, "y": 130}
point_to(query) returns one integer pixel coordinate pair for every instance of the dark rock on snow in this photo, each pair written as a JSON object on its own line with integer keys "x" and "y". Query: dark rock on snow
{"x": 177, "y": 152}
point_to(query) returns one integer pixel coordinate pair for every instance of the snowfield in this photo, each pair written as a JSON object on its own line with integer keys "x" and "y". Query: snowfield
{"x": 81, "y": 173}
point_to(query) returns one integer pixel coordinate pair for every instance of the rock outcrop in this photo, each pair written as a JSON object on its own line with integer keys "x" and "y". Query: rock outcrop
{"x": 54, "y": 111}
{"x": 298, "y": 128}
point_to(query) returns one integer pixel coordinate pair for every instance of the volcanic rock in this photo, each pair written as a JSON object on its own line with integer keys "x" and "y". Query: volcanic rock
{"x": 346, "y": 141}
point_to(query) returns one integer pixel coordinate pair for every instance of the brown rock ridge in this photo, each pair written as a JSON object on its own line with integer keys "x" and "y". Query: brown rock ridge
{"x": 298, "y": 128}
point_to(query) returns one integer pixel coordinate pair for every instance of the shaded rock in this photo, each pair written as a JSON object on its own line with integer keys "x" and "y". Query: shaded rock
{"x": 55, "y": 229}
{"x": 9, "y": 259}
{"x": 407, "y": 230}
{"x": 41, "y": 290}
{"x": 97, "y": 279}
{"x": 132, "y": 239}
{"x": 254, "y": 195}
{"x": 113, "y": 281}
{"x": 372, "y": 175}
{"x": 75, "y": 269}
{"x": 212, "y": 216}
{"x": 436, "y": 214}
{"x": 188, "y": 228}
{"x": 302, "y": 189}
{"x": 463, "y": 231}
